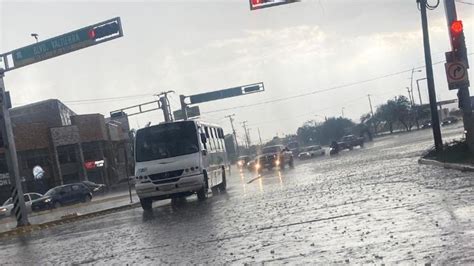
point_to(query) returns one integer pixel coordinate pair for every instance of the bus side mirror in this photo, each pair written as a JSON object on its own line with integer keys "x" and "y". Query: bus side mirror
{"x": 203, "y": 138}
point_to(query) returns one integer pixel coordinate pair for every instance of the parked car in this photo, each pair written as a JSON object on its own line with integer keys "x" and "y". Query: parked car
{"x": 310, "y": 152}
{"x": 274, "y": 156}
{"x": 242, "y": 161}
{"x": 94, "y": 187}
{"x": 351, "y": 141}
{"x": 7, "y": 207}
{"x": 62, "y": 195}
{"x": 449, "y": 121}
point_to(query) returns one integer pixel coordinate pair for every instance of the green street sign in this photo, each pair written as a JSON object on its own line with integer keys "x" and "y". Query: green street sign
{"x": 63, "y": 44}
{"x": 191, "y": 112}
{"x": 226, "y": 93}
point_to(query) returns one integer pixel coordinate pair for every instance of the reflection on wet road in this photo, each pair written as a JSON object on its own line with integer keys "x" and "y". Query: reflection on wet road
{"x": 371, "y": 205}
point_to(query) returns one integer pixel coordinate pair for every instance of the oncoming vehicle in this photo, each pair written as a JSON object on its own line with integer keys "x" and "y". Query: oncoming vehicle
{"x": 311, "y": 151}
{"x": 177, "y": 159}
{"x": 274, "y": 156}
{"x": 242, "y": 161}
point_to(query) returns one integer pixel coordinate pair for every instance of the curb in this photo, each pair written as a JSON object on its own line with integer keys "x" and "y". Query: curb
{"x": 36, "y": 227}
{"x": 454, "y": 166}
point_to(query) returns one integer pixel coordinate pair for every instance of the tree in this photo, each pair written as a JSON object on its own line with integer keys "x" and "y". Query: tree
{"x": 323, "y": 133}
{"x": 397, "y": 110}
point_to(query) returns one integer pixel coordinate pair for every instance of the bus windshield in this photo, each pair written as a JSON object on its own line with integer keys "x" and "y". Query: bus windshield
{"x": 166, "y": 141}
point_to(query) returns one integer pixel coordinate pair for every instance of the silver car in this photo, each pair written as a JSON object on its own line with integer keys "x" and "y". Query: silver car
{"x": 7, "y": 207}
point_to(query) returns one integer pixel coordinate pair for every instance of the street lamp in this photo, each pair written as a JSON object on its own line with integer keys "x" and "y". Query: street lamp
{"x": 35, "y": 35}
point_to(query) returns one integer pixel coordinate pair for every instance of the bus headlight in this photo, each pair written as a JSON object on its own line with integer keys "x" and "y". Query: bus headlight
{"x": 257, "y": 166}
{"x": 277, "y": 162}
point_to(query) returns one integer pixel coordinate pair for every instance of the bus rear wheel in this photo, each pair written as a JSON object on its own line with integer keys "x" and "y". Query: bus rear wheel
{"x": 146, "y": 204}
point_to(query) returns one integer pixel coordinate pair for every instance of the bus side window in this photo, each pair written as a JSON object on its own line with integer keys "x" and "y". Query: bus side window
{"x": 208, "y": 136}
{"x": 200, "y": 137}
{"x": 218, "y": 146}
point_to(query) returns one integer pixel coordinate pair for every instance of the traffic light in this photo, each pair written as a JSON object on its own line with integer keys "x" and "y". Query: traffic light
{"x": 104, "y": 30}
{"x": 258, "y": 4}
{"x": 457, "y": 39}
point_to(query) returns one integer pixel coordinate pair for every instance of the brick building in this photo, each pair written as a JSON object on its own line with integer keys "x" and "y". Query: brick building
{"x": 69, "y": 147}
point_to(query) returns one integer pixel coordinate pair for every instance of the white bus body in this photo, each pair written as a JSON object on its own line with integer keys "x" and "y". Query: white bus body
{"x": 178, "y": 159}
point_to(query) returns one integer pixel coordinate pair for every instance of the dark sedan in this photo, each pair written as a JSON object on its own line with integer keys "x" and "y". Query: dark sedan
{"x": 94, "y": 187}
{"x": 62, "y": 195}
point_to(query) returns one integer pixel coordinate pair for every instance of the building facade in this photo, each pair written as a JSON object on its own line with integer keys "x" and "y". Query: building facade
{"x": 67, "y": 146}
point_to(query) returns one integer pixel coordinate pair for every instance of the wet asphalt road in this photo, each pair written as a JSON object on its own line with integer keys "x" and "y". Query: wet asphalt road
{"x": 371, "y": 205}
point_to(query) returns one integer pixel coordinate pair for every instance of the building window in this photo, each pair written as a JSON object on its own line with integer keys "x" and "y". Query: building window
{"x": 67, "y": 154}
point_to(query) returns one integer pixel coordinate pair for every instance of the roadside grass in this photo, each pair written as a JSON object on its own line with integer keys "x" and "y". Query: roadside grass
{"x": 453, "y": 152}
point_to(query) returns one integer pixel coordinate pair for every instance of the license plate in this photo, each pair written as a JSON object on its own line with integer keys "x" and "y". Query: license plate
{"x": 167, "y": 187}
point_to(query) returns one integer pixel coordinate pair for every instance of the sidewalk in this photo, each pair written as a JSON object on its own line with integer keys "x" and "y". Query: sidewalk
{"x": 98, "y": 204}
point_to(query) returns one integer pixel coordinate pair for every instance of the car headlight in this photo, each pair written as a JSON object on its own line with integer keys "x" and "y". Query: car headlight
{"x": 257, "y": 166}
{"x": 47, "y": 200}
{"x": 240, "y": 163}
{"x": 3, "y": 209}
{"x": 277, "y": 162}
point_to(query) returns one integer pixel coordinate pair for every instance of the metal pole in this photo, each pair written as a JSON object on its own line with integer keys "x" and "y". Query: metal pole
{"x": 126, "y": 146}
{"x": 11, "y": 158}
{"x": 183, "y": 106}
{"x": 165, "y": 108}
{"x": 419, "y": 92}
{"x": 260, "y": 137}
{"x": 342, "y": 112}
{"x": 463, "y": 92}
{"x": 429, "y": 75}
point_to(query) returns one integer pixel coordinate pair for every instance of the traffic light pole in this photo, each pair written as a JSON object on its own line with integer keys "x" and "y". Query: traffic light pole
{"x": 463, "y": 92}
{"x": 429, "y": 75}
{"x": 19, "y": 208}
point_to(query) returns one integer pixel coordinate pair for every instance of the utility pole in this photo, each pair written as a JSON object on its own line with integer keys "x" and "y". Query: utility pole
{"x": 419, "y": 92}
{"x": 459, "y": 53}
{"x": 342, "y": 111}
{"x": 410, "y": 96}
{"x": 429, "y": 75}
{"x": 236, "y": 143}
{"x": 260, "y": 137}
{"x": 165, "y": 105}
{"x": 370, "y": 104}
{"x": 247, "y": 139}
{"x": 372, "y": 114}
{"x": 19, "y": 207}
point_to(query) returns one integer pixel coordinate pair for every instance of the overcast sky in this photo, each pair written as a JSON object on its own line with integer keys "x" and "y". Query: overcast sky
{"x": 198, "y": 46}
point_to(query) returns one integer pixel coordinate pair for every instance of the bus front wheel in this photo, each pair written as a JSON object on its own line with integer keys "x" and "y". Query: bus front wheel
{"x": 202, "y": 193}
{"x": 146, "y": 204}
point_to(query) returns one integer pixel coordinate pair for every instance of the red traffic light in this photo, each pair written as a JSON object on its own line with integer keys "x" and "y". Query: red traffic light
{"x": 456, "y": 26}
{"x": 92, "y": 34}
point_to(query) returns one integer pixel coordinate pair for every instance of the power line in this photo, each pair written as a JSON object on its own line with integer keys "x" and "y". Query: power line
{"x": 324, "y": 90}
{"x": 466, "y": 3}
{"x": 108, "y": 98}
